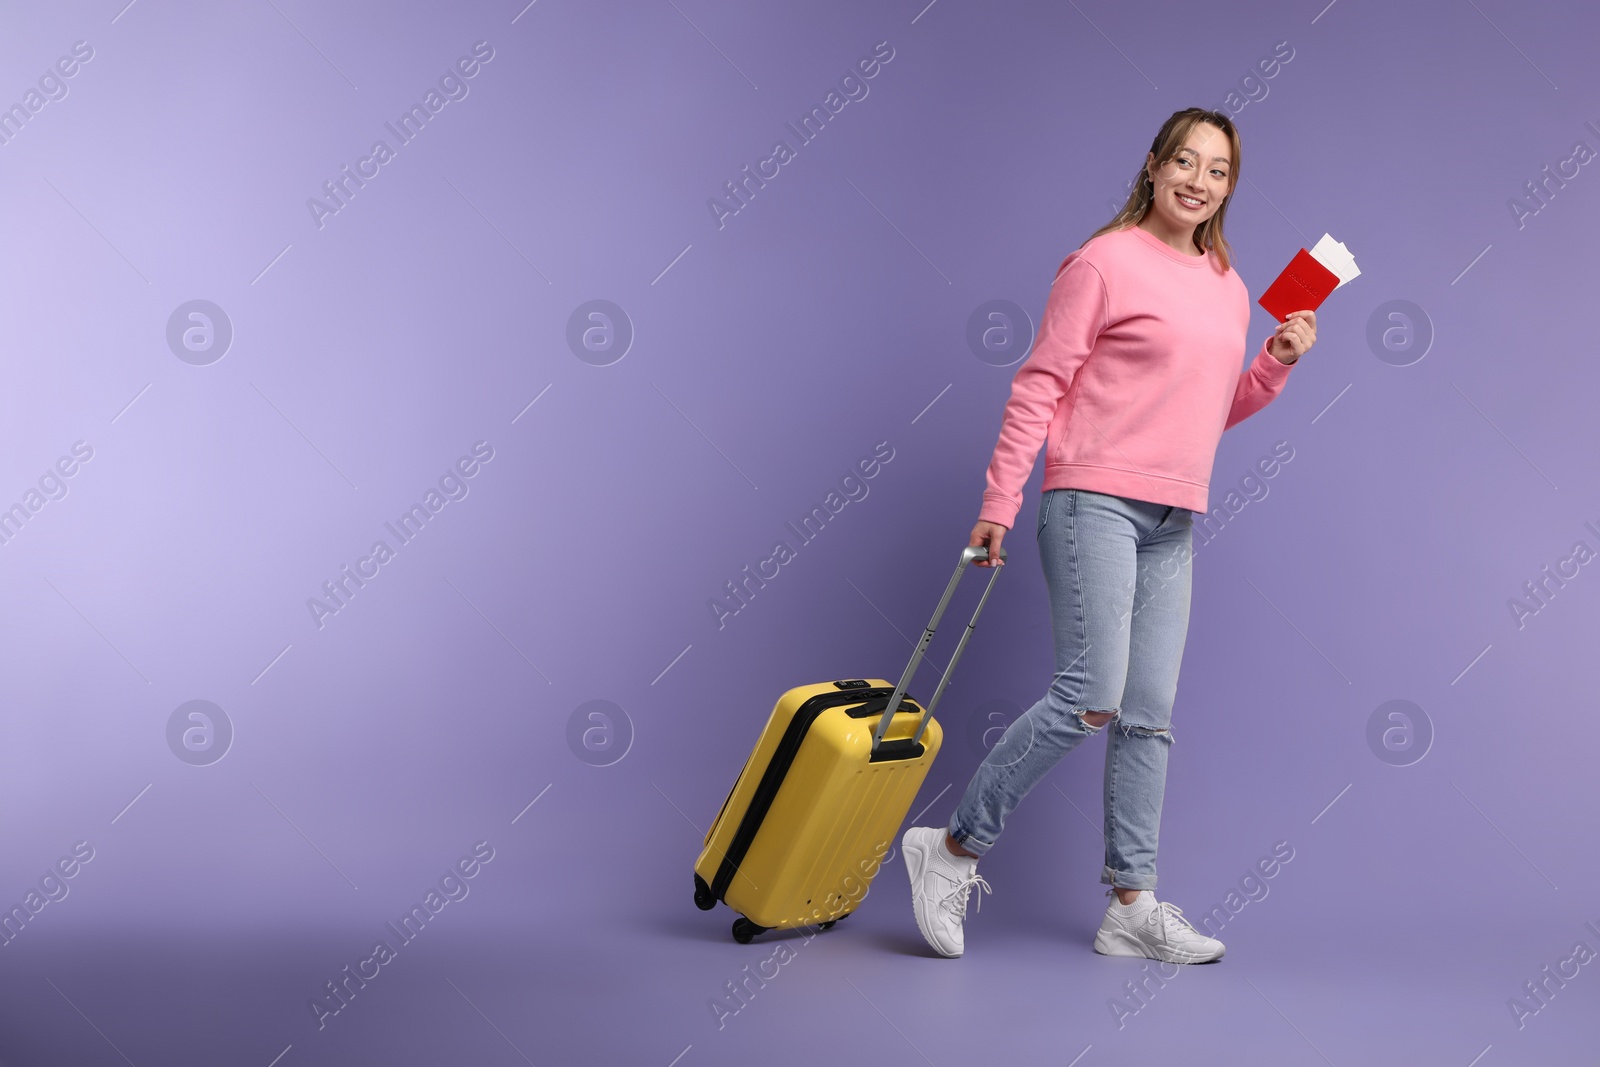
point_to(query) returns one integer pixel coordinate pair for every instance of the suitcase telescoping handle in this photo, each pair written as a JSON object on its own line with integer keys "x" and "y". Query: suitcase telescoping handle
{"x": 968, "y": 554}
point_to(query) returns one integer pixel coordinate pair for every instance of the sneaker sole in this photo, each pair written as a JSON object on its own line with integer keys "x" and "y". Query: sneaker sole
{"x": 1117, "y": 943}
{"x": 916, "y": 863}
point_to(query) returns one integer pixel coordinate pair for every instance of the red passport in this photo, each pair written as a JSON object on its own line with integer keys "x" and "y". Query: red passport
{"x": 1303, "y": 286}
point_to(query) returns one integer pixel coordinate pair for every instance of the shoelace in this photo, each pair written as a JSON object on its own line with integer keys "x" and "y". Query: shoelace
{"x": 959, "y": 892}
{"x": 1170, "y": 917}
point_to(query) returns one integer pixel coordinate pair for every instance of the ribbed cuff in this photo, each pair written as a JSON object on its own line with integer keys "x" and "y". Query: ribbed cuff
{"x": 999, "y": 511}
{"x": 1274, "y": 367}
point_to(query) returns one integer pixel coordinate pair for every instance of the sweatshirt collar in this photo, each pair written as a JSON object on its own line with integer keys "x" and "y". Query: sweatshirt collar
{"x": 1165, "y": 249}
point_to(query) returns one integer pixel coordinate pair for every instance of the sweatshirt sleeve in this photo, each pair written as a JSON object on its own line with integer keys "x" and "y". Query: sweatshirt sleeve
{"x": 1259, "y": 385}
{"x": 1074, "y": 315}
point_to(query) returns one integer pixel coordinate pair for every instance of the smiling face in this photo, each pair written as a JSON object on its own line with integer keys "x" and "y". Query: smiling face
{"x": 1200, "y": 172}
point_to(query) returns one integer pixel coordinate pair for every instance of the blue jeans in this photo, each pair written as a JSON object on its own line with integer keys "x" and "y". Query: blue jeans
{"x": 1118, "y": 572}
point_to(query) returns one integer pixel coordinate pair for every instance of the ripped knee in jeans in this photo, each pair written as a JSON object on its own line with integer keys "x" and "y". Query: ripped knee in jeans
{"x": 1133, "y": 729}
{"x": 1093, "y": 724}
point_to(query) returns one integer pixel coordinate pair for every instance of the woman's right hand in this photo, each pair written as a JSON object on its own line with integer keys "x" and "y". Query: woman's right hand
{"x": 988, "y": 535}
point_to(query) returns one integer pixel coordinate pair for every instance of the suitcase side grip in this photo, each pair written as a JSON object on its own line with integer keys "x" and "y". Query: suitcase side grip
{"x": 901, "y": 748}
{"x": 876, "y": 705}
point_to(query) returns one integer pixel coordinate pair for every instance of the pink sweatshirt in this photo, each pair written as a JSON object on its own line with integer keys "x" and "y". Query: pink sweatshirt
{"x": 1133, "y": 377}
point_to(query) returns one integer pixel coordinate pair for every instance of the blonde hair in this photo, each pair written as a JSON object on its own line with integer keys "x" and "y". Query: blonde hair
{"x": 1170, "y": 138}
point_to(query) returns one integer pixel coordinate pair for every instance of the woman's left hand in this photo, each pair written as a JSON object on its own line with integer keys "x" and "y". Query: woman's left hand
{"x": 1293, "y": 336}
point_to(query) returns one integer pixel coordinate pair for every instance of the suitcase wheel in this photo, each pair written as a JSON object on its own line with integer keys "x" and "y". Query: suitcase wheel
{"x": 744, "y": 930}
{"x": 702, "y": 894}
{"x": 828, "y": 925}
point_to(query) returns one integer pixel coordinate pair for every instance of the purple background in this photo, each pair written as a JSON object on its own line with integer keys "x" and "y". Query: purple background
{"x": 1428, "y": 484}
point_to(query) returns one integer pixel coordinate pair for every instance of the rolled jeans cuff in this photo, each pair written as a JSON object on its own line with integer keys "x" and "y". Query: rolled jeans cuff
{"x": 965, "y": 839}
{"x": 1126, "y": 880}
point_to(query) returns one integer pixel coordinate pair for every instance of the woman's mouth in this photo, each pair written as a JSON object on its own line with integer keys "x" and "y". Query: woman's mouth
{"x": 1191, "y": 204}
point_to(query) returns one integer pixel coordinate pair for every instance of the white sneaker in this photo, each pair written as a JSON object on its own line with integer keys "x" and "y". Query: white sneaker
{"x": 1155, "y": 931}
{"x": 940, "y": 883}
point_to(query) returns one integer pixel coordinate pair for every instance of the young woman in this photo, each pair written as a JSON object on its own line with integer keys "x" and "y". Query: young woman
{"x": 1133, "y": 378}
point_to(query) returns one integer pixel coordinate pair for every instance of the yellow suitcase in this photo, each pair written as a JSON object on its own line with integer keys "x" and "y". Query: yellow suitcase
{"x": 819, "y": 803}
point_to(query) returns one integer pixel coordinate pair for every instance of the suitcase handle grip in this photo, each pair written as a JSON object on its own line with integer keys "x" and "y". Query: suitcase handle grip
{"x": 968, "y": 555}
